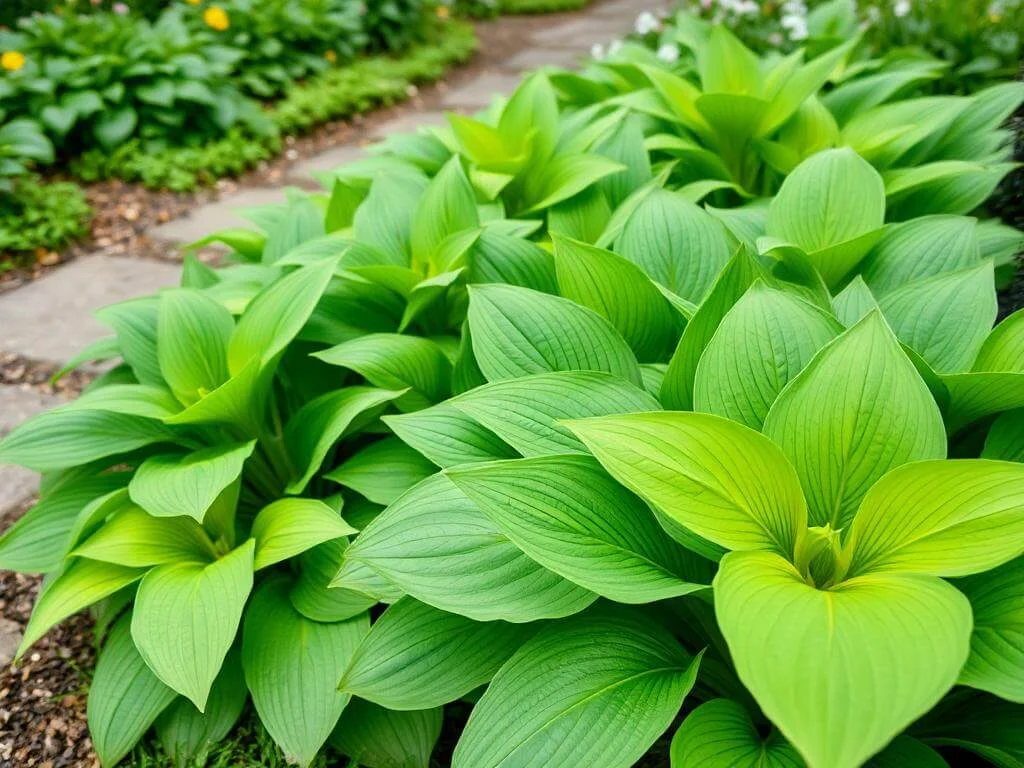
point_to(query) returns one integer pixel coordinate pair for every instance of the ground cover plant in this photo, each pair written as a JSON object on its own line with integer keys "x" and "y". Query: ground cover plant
{"x": 588, "y": 410}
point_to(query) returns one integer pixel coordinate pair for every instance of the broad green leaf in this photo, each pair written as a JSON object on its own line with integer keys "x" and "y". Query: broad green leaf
{"x": 719, "y": 479}
{"x": 446, "y": 207}
{"x": 975, "y": 395}
{"x": 384, "y": 220}
{"x": 170, "y": 485}
{"x": 144, "y": 400}
{"x": 292, "y": 667}
{"x": 1005, "y": 439}
{"x": 288, "y": 527}
{"x": 944, "y": 318}
{"x": 720, "y": 734}
{"x": 417, "y": 657}
{"x": 312, "y": 596}
{"x": 562, "y": 177}
{"x": 762, "y": 343}
{"x": 624, "y": 144}
{"x": 460, "y": 562}
{"x": 276, "y": 316}
{"x": 134, "y": 538}
{"x": 75, "y": 587}
{"x": 832, "y": 206}
{"x": 531, "y": 111}
{"x": 382, "y": 738}
{"x": 525, "y": 412}
{"x": 70, "y": 437}
{"x": 984, "y": 725}
{"x": 186, "y": 734}
{"x": 501, "y": 258}
{"x": 303, "y": 220}
{"x": 677, "y": 388}
{"x": 193, "y": 332}
{"x": 996, "y": 663}
{"x": 801, "y": 85}
{"x": 566, "y": 513}
{"x": 621, "y": 293}
{"x": 310, "y": 434}
{"x": 851, "y": 665}
{"x": 920, "y": 248}
{"x": 945, "y": 518}
{"x": 904, "y": 751}
{"x": 1003, "y": 349}
{"x": 854, "y": 302}
{"x": 135, "y": 324}
{"x": 397, "y": 362}
{"x": 582, "y": 217}
{"x": 125, "y": 697}
{"x": 237, "y": 402}
{"x": 383, "y": 471}
{"x": 447, "y": 437}
{"x": 517, "y": 332}
{"x": 676, "y": 243}
{"x": 838, "y": 421}
{"x": 570, "y": 696}
{"x": 186, "y": 618}
{"x": 952, "y": 186}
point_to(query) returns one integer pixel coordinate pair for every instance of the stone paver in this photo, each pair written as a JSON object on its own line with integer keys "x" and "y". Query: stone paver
{"x": 17, "y": 484}
{"x": 50, "y": 319}
{"x": 408, "y": 122}
{"x": 328, "y": 161}
{"x": 582, "y": 33}
{"x": 534, "y": 58}
{"x": 479, "y": 92}
{"x": 217, "y": 215}
{"x": 10, "y": 639}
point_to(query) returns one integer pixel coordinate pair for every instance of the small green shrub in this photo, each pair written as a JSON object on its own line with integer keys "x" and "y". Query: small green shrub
{"x": 38, "y": 215}
{"x": 22, "y": 143}
{"x": 392, "y": 25}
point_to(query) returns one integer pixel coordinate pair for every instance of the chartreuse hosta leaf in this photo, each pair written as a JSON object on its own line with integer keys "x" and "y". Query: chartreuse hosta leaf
{"x": 193, "y": 332}
{"x": 132, "y": 537}
{"x": 1005, "y": 438}
{"x": 763, "y": 342}
{"x": 837, "y": 424}
{"x": 525, "y": 412}
{"x": 292, "y": 667}
{"x": 382, "y": 471}
{"x": 135, "y": 324}
{"x": 186, "y": 617}
{"x": 517, "y": 332}
{"x": 125, "y": 697}
{"x": 620, "y": 292}
{"x": 566, "y": 513}
{"x": 311, "y": 595}
{"x": 460, "y": 562}
{"x": 417, "y": 657}
{"x": 720, "y": 734}
{"x": 447, "y": 436}
{"x": 833, "y": 207}
{"x": 996, "y": 663}
{"x": 382, "y": 738}
{"x": 169, "y": 485}
{"x": 718, "y": 479}
{"x": 288, "y": 527}
{"x": 447, "y": 206}
{"x": 186, "y": 734}
{"x": 571, "y": 694}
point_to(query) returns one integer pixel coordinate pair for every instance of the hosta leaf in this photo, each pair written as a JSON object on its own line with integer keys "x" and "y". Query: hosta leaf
{"x": 76, "y": 586}
{"x": 850, "y": 666}
{"x": 624, "y": 144}
{"x": 288, "y": 527}
{"x": 125, "y": 697}
{"x": 173, "y": 484}
{"x": 145, "y": 400}
{"x": 292, "y": 667}
{"x": 570, "y": 694}
{"x": 460, "y": 563}
{"x": 417, "y": 657}
{"x": 719, "y": 734}
{"x": 517, "y": 332}
{"x": 276, "y": 316}
{"x": 186, "y": 617}
{"x": 566, "y": 513}
{"x": 69, "y": 437}
{"x": 764, "y": 341}
{"x": 134, "y": 538}
{"x": 719, "y": 479}
{"x": 676, "y": 243}
{"x": 985, "y": 725}
{"x": 135, "y": 324}
{"x": 193, "y": 332}
{"x": 945, "y": 518}
{"x": 677, "y": 388}
{"x": 447, "y": 437}
{"x": 828, "y": 206}
{"x": 186, "y": 734}
{"x": 312, "y": 596}
{"x": 302, "y": 221}
{"x": 621, "y": 293}
{"x": 854, "y": 302}
{"x": 996, "y": 663}
{"x": 1005, "y": 438}
{"x": 497, "y": 257}
{"x": 950, "y": 186}
{"x": 446, "y": 207}
{"x": 311, "y": 433}
{"x": 1003, "y": 349}
{"x": 836, "y": 421}
{"x": 525, "y": 412}
{"x": 384, "y": 220}
{"x": 397, "y": 362}
{"x": 981, "y": 393}
{"x": 237, "y": 402}
{"x": 563, "y": 176}
{"x": 383, "y": 471}
{"x": 905, "y": 751}
{"x": 382, "y": 738}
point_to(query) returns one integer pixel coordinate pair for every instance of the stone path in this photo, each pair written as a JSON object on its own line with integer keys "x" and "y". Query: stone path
{"x": 50, "y": 319}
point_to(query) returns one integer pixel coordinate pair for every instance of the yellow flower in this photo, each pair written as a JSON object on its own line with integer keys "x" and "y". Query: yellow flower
{"x": 442, "y": 12}
{"x": 331, "y": 56}
{"x": 12, "y": 61}
{"x": 216, "y": 18}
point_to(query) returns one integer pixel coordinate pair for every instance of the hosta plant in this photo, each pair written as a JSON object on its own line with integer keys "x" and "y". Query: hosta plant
{"x": 506, "y": 417}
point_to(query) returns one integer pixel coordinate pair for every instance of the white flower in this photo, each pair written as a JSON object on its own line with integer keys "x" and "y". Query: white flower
{"x": 901, "y": 8}
{"x": 797, "y": 26}
{"x": 794, "y": 8}
{"x": 873, "y": 14}
{"x": 597, "y": 51}
{"x": 668, "y": 53}
{"x": 748, "y": 8}
{"x": 614, "y": 47}
{"x": 647, "y": 22}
